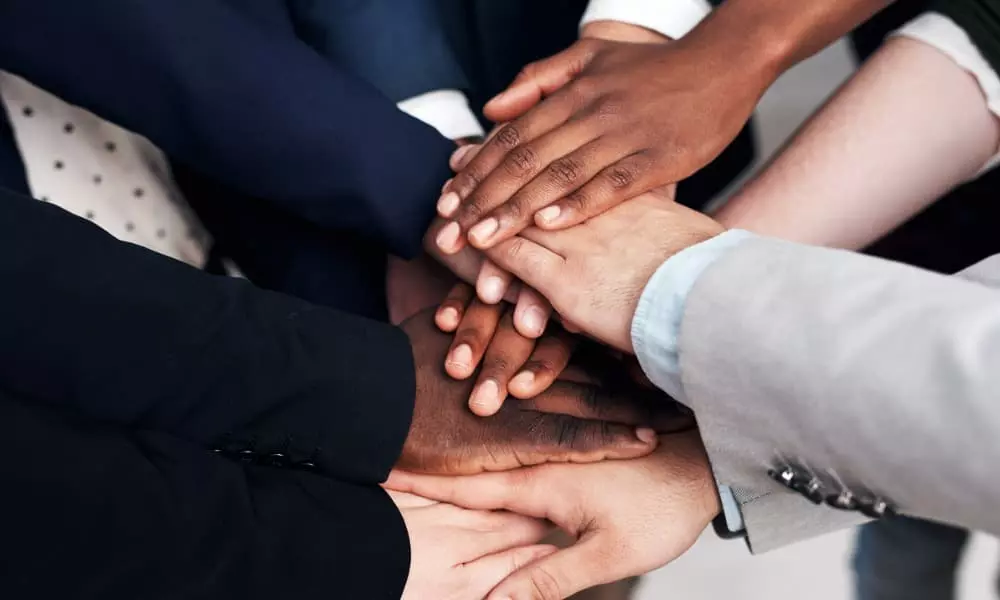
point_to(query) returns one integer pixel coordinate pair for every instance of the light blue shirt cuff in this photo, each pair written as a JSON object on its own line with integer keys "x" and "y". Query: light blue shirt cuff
{"x": 730, "y": 509}
{"x": 656, "y": 329}
{"x": 656, "y": 326}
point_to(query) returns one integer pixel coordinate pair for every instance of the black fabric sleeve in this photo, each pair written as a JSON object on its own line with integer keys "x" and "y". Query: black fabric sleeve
{"x": 101, "y": 512}
{"x": 123, "y": 335}
{"x": 248, "y": 106}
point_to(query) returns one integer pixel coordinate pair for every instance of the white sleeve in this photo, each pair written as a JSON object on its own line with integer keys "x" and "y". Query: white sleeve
{"x": 447, "y": 111}
{"x": 672, "y": 18}
{"x": 940, "y": 32}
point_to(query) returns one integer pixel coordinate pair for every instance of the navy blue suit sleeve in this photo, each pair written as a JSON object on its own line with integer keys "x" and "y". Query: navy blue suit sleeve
{"x": 92, "y": 511}
{"x": 123, "y": 335}
{"x": 250, "y": 107}
{"x": 399, "y": 46}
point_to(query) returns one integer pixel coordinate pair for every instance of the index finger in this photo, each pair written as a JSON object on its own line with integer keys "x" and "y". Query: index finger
{"x": 513, "y": 491}
{"x": 535, "y": 265}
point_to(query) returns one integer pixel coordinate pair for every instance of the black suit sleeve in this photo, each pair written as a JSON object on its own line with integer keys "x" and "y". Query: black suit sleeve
{"x": 101, "y": 512}
{"x": 248, "y": 106}
{"x": 120, "y": 334}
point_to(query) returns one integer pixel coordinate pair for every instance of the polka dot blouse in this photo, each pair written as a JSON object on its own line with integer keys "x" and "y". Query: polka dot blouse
{"x": 101, "y": 172}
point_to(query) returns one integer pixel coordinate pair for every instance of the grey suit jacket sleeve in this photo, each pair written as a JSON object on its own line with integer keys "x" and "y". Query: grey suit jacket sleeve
{"x": 875, "y": 376}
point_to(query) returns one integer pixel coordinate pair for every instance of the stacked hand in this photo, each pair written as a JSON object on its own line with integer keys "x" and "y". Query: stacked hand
{"x": 628, "y": 517}
{"x": 568, "y": 422}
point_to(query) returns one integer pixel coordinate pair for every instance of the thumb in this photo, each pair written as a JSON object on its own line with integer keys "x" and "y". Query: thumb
{"x": 537, "y": 80}
{"x": 485, "y": 573}
{"x": 562, "y": 574}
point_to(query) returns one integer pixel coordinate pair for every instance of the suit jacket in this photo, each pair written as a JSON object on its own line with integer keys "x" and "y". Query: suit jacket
{"x": 185, "y": 435}
{"x": 326, "y": 174}
{"x": 871, "y": 376}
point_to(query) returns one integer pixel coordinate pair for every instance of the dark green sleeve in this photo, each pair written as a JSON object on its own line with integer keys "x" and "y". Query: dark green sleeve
{"x": 980, "y": 19}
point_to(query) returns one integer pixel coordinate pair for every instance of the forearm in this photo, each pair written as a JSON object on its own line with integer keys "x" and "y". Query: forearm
{"x": 908, "y": 127}
{"x": 253, "y": 109}
{"x": 121, "y": 513}
{"x": 119, "y": 334}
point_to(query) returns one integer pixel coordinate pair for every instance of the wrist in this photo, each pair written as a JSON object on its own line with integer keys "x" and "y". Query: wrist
{"x": 617, "y": 31}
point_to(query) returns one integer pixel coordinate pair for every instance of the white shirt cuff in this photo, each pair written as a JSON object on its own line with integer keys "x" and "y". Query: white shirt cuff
{"x": 940, "y": 32}
{"x": 656, "y": 326}
{"x": 445, "y": 110}
{"x": 672, "y": 18}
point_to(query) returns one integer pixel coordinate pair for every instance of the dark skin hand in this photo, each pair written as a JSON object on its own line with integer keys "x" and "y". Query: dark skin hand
{"x": 570, "y": 422}
{"x": 608, "y": 135}
{"x": 510, "y": 363}
{"x": 607, "y": 120}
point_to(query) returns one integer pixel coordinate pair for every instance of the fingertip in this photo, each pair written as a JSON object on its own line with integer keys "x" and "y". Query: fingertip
{"x": 550, "y": 217}
{"x": 646, "y": 435}
{"x": 522, "y": 385}
{"x": 459, "y": 362}
{"x": 447, "y": 319}
{"x": 491, "y": 290}
{"x": 486, "y": 399}
{"x": 449, "y": 239}
{"x": 448, "y": 204}
{"x": 483, "y": 232}
{"x": 460, "y": 157}
{"x": 531, "y": 322}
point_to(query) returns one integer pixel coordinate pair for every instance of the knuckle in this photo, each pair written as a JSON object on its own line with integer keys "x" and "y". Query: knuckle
{"x": 515, "y": 210}
{"x": 521, "y": 161}
{"x": 609, "y": 108}
{"x": 473, "y": 212}
{"x": 621, "y": 176}
{"x": 514, "y": 250}
{"x": 566, "y": 171}
{"x": 467, "y": 180}
{"x": 578, "y": 201}
{"x": 499, "y": 364}
{"x": 541, "y": 366}
{"x": 544, "y": 585}
{"x": 508, "y": 137}
{"x": 585, "y": 87}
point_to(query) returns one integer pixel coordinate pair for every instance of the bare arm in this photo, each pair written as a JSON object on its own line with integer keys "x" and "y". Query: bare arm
{"x": 908, "y": 127}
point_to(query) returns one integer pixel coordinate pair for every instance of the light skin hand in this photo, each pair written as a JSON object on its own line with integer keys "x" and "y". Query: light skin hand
{"x": 628, "y": 517}
{"x": 460, "y": 554}
{"x": 611, "y": 258}
{"x": 512, "y": 363}
{"x": 492, "y": 283}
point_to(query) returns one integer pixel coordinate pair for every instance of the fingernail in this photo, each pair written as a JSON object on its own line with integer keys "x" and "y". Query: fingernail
{"x": 549, "y": 214}
{"x": 645, "y": 434}
{"x": 446, "y": 184}
{"x": 461, "y": 356}
{"x": 448, "y": 204}
{"x": 486, "y": 398}
{"x": 482, "y": 232}
{"x": 456, "y": 157}
{"x": 492, "y": 290}
{"x": 449, "y": 316}
{"x": 447, "y": 238}
{"x": 534, "y": 320}
{"x": 499, "y": 97}
{"x": 523, "y": 380}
